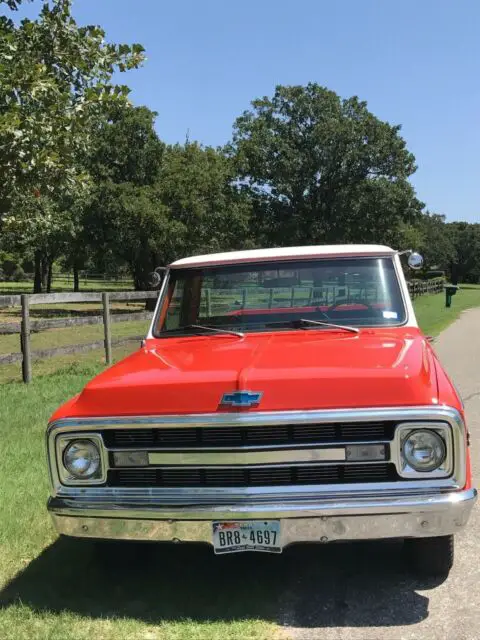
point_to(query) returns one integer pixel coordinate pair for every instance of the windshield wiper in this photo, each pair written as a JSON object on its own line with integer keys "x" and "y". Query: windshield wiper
{"x": 304, "y": 323}
{"x": 204, "y": 327}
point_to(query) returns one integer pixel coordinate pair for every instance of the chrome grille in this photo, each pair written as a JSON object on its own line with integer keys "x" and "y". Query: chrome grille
{"x": 227, "y": 436}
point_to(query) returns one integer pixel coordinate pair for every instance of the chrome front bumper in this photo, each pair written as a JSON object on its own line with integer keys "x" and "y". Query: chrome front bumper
{"x": 352, "y": 518}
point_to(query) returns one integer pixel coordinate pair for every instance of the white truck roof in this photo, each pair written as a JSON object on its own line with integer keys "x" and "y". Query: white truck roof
{"x": 284, "y": 253}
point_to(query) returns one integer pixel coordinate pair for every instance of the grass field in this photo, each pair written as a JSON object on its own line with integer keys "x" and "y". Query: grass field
{"x": 433, "y": 316}
{"x": 56, "y": 588}
{"x": 60, "y": 283}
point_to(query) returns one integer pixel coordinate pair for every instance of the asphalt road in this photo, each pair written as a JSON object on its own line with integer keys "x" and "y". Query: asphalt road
{"x": 364, "y": 591}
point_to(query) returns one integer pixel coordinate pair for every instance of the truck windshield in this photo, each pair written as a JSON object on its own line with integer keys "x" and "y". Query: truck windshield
{"x": 272, "y": 296}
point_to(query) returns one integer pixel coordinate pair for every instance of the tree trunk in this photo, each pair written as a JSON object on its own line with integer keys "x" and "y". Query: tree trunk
{"x": 49, "y": 275}
{"x": 37, "y": 282}
{"x": 76, "y": 277}
{"x": 44, "y": 272}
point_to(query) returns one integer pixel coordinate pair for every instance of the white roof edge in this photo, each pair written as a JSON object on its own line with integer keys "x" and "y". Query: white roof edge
{"x": 284, "y": 253}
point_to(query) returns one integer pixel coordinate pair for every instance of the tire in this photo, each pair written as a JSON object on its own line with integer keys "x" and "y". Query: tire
{"x": 430, "y": 557}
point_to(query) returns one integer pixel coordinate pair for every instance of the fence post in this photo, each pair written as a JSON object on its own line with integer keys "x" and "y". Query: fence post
{"x": 292, "y": 297}
{"x": 270, "y": 299}
{"x": 244, "y": 298}
{"x": 208, "y": 302}
{"x": 25, "y": 339}
{"x": 106, "y": 328}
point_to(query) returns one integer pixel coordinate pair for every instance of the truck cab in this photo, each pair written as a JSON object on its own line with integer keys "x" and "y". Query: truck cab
{"x": 281, "y": 396}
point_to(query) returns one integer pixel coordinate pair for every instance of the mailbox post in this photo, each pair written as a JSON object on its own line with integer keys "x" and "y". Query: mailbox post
{"x": 450, "y": 290}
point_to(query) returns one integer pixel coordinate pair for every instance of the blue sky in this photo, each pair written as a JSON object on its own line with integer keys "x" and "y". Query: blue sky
{"x": 416, "y": 63}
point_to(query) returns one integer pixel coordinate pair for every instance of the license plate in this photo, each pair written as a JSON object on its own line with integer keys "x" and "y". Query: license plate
{"x": 247, "y": 535}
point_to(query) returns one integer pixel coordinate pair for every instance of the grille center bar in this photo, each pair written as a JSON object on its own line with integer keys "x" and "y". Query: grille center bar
{"x": 233, "y": 458}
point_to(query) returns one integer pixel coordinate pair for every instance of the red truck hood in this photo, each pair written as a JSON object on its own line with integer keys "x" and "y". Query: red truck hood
{"x": 294, "y": 370}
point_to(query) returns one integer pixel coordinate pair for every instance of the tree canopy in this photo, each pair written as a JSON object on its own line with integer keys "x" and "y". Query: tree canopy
{"x": 323, "y": 169}
{"x": 55, "y": 85}
{"x": 55, "y": 89}
{"x": 86, "y": 181}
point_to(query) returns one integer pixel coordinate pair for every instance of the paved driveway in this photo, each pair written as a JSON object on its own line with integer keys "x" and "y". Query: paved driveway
{"x": 364, "y": 591}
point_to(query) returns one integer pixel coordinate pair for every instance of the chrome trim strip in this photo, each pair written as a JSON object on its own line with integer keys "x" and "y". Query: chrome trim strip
{"x": 254, "y": 447}
{"x": 234, "y": 458}
{"x": 160, "y": 299}
{"x": 188, "y": 496}
{"x": 254, "y": 418}
{"x": 353, "y": 519}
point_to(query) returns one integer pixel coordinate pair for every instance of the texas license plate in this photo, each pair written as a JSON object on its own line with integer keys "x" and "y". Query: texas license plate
{"x": 247, "y": 535}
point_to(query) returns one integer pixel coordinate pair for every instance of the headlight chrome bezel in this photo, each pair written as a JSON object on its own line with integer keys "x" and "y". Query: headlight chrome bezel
{"x": 63, "y": 441}
{"x": 443, "y": 430}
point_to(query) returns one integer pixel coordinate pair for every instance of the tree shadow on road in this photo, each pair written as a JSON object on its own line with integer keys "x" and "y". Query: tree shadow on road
{"x": 355, "y": 585}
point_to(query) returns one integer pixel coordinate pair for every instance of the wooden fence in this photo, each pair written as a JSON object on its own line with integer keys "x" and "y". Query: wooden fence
{"x": 421, "y": 287}
{"x": 27, "y": 326}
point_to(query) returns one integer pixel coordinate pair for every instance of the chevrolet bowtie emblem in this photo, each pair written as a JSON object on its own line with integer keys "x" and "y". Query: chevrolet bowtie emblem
{"x": 241, "y": 398}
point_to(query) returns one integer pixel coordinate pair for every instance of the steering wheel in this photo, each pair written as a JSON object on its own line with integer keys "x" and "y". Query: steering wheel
{"x": 333, "y": 306}
{"x": 323, "y": 314}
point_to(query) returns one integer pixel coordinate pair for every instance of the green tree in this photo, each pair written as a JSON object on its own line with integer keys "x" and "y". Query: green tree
{"x": 125, "y": 149}
{"x": 198, "y": 187}
{"x": 465, "y": 262}
{"x": 323, "y": 169}
{"x": 13, "y": 4}
{"x": 125, "y": 221}
{"x": 55, "y": 89}
{"x": 128, "y": 224}
{"x": 190, "y": 204}
{"x": 437, "y": 246}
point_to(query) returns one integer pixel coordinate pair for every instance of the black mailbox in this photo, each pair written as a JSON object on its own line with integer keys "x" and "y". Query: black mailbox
{"x": 450, "y": 290}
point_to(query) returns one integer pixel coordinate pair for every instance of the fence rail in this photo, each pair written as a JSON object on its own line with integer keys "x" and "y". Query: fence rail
{"x": 55, "y": 298}
{"x": 27, "y": 326}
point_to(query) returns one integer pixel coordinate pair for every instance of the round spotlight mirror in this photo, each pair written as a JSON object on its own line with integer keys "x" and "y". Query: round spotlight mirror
{"x": 415, "y": 261}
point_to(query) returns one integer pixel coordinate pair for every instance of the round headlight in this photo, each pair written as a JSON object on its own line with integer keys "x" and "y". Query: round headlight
{"x": 424, "y": 450}
{"x": 82, "y": 459}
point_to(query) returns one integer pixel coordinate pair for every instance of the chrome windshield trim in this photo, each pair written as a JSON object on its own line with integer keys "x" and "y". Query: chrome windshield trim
{"x": 160, "y": 300}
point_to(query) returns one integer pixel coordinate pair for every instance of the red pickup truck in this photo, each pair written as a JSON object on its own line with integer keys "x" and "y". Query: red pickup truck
{"x": 281, "y": 396}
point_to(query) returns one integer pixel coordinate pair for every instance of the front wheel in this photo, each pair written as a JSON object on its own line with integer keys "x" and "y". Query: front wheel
{"x": 430, "y": 557}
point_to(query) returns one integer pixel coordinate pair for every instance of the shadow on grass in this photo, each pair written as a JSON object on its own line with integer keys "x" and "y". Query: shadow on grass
{"x": 357, "y": 585}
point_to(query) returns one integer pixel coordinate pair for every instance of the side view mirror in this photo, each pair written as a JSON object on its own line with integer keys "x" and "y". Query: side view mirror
{"x": 415, "y": 261}
{"x": 156, "y": 277}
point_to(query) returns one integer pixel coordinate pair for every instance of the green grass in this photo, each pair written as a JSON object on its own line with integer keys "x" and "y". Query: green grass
{"x": 433, "y": 316}
{"x": 66, "y": 284}
{"x": 61, "y": 588}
